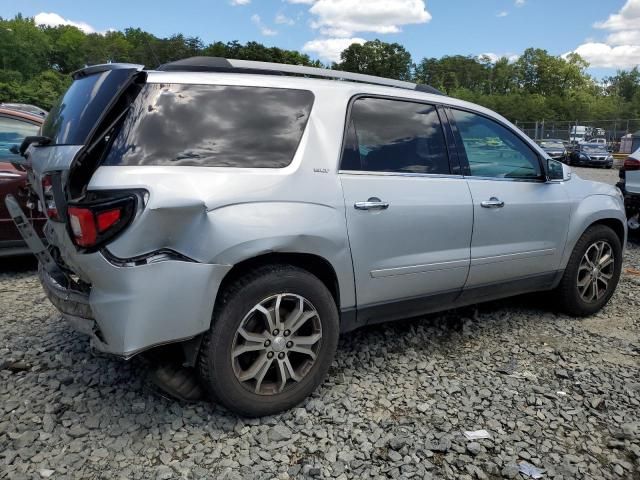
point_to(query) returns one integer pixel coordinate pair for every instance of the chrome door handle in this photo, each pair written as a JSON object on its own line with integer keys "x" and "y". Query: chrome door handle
{"x": 493, "y": 202}
{"x": 372, "y": 204}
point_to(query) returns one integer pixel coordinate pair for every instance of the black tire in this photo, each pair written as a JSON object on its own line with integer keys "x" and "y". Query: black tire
{"x": 568, "y": 295}
{"x": 215, "y": 365}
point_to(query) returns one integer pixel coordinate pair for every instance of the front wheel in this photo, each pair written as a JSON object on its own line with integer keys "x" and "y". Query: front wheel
{"x": 273, "y": 337}
{"x": 592, "y": 272}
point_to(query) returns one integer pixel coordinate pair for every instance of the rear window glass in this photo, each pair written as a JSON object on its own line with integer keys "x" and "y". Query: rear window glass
{"x": 212, "y": 126}
{"x": 71, "y": 120}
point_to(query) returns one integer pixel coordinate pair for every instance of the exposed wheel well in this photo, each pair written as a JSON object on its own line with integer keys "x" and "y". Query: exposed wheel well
{"x": 314, "y": 264}
{"x": 615, "y": 225}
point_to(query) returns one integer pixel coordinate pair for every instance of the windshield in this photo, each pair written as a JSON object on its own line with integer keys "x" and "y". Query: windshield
{"x": 71, "y": 120}
{"x": 594, "y": 148}
{"x": 547, "y": 144}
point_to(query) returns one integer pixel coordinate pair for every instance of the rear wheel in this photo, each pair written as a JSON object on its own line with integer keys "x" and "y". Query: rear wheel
{"x": 272, "y": 340}
{"x": 592, "y": 272}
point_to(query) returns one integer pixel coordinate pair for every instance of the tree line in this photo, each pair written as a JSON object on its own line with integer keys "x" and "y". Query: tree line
{"x": 37, "y": 60}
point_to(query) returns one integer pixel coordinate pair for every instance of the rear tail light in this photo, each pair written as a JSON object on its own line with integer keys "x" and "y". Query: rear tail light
{"x": 631, "y": 164}
{"x": 50, "y": 207}
{"x": 93, "y": 224}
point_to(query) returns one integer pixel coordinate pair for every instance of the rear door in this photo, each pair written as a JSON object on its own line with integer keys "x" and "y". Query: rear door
{"x": 520, "y": 219}
{"x": 409, "y": 217}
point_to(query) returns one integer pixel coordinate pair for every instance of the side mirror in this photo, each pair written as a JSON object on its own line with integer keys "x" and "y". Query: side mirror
{"x": 15, "y": 149}
{"x": 557, "y": 171}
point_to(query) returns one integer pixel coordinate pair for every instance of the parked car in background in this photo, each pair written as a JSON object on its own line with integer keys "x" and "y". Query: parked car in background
{"x": 25, "y": 107}
{"x": 14, "y": 127}
{"x": 629, "y": 184}
{"x": 290, "y": 209}
{"x": 555, "y": 148}
{"x": 591, "y": 155}
{"x": 599, "y": 141}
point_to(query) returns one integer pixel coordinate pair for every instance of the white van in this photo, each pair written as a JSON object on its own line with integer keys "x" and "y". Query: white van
{"x": 578, "y": 133}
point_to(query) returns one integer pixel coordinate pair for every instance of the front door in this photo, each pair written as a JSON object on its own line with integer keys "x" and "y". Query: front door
{"x": 520, "y": 219}
{"x": 409, "y": 220}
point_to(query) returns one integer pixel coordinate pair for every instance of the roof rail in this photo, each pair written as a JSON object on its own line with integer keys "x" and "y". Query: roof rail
{"x": 219, "y": 64}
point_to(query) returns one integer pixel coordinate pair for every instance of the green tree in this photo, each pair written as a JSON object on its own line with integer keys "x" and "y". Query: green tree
{"x": 389, "y": 60}
{"x": 539, "y": 72}
{"x": 624, "y": 84}
{"x": 67, "y": 48}
{"x": 23, "y": 46}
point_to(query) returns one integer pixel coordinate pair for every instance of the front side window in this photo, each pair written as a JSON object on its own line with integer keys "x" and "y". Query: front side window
{"x": 394, "y": 136}
{"x": 493, "y": 150}
{"x": 212, "y": 126}
{"x": 12, "y": 132}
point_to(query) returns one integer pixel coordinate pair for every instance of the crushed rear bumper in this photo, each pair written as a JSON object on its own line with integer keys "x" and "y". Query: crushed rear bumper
{"x": 131, "y": 309}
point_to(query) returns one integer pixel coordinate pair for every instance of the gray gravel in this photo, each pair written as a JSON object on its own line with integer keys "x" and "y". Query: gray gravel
{"x": 559, "y": 393}
{"x": 599, "y": 174}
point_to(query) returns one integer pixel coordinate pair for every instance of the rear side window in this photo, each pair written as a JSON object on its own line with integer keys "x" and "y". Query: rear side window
{"x": 12, "y": 132}
{"x": 493, "y": 150}
{"x": 71, "y": 120}
{"x": 394, "y": 136}
{"x": 212, "y": 126}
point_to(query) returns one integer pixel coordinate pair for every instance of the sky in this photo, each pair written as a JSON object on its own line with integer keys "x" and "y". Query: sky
{"x": 605, "y": 32}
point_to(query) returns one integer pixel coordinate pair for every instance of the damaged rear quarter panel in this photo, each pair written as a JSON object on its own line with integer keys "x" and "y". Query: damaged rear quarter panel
{"x": 224, "y": 216}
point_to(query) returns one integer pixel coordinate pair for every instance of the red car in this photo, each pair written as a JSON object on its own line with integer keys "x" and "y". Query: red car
{"x": 14, "y": 126}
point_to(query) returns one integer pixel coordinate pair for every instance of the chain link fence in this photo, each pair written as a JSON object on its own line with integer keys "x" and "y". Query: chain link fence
{"x": 581, "y": 130}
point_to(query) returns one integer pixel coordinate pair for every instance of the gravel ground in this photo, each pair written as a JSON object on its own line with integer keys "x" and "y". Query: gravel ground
{"x": 558, "y": 393}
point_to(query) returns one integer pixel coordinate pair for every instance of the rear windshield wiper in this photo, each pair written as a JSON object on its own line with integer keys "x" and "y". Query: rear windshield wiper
{"x": 40, "y": 140}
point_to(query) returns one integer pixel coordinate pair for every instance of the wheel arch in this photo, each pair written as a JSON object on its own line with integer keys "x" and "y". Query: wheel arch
{"x": 595, "y": 210}
{"x": 314, "y": 264}
{"x": 614, "y": 224}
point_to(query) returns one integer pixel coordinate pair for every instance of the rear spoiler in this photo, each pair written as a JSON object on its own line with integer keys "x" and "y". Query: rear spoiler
{"x": 86, "y": 71}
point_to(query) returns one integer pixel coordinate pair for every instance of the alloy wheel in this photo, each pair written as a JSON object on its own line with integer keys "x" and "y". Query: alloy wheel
{"x": 276, "y": 344}
{"x": 595, "y": 272}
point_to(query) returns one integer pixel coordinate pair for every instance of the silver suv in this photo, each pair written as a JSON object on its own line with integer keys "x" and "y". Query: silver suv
{"x": 252, "y": 212}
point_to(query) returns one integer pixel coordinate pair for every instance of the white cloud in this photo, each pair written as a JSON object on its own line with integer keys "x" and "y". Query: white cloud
{"x": 330, "y": 48}
{"x": 621, "y": 49}
{"x": 264, "y": 30}
{"x": 282, "y": 19}
{"x": 520, "y": 3}
{"x": 343, "y": 18}
{"x": 624, "y": 37}
{"x": 501, "y": 14}
{"x": 54, "y": 20}
{"x": 235, "y": 3}
{"x": 627, "y": 18}
{"x": 607, "y": 56}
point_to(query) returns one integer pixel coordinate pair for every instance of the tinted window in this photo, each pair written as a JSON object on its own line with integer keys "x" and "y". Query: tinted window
{"x": 12, "y": 132}
{"x": 394, "y": 136}
{"x": 71, "y": 120}
{"x": 212, "y": 126}
{"x": 493, "y": 150}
